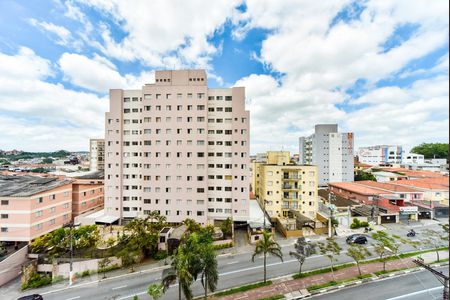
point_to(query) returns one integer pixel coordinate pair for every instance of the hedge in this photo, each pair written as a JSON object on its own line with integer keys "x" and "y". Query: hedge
{"x": 243, "y": 288}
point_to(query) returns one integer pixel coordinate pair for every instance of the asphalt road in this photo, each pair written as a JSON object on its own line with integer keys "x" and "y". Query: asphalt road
{"x": 234, "y": 270}
{"x": 415, "y": 286}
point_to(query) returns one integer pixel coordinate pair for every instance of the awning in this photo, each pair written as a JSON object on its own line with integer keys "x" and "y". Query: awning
{"x": 106, "y": 219}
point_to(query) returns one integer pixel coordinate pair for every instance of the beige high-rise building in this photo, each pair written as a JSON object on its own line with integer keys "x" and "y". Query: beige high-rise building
{"x": 96, "y": 154}
{"x": 285, "y": 186}
{"x": 178, "y": 148}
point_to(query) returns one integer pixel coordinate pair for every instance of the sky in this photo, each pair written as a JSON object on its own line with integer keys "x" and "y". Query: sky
{"x": 377, "y": 68}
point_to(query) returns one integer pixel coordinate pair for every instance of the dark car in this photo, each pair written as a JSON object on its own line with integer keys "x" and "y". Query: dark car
{"x": 357, "y": 239}
{"x": 31, "y": 297}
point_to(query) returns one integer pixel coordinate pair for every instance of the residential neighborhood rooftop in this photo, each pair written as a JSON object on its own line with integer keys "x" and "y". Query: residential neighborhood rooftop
{"x": 26, "y": 185}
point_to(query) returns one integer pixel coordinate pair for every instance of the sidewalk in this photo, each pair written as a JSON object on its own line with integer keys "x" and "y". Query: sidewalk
{"x": 12, "y": 289}
{"x": 289, "y": 286}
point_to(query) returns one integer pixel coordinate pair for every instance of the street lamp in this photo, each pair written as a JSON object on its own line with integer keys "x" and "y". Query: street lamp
{"x": 71, "y": 225}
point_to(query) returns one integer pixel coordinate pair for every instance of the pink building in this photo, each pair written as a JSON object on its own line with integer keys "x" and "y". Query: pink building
{"x": 87, "y": 194}
{"x": 179, "y": 148}
{"x": 31, "y": 206}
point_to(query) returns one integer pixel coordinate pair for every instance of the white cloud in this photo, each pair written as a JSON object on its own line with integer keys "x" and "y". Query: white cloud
{"x": 319, "y": 62}
{"x": 99, "y": 74}
{"x": 63, "y": 35}
{"x": 164, "y": 33}
{"x": 39, "y": 115}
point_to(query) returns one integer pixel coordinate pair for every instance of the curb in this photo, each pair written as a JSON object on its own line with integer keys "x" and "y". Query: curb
{"x": 361, "y": 282}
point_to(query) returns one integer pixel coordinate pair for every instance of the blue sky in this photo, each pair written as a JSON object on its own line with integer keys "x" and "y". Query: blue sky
{"x": 377, "y": 69}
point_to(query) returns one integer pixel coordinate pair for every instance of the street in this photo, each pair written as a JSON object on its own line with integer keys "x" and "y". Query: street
{"x": 234, "y": 270}
{"x": 415, "y": 286}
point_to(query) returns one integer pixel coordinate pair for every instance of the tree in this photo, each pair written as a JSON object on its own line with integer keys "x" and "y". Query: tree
{"x": 192, "y": 225}
{"x": 303, "y": 250}
{"x": 330, "y": 249}
{"x": 155, "y": 291}
{"x": 180, "y": 271}
{"x": 102, "y": 264}
{"x": 383, "y": 244}
{"x": 361, "y": 175}
{"x": 436, "y": 239}
{"x": 210, "y": 275}
{"x": 227, "y": 227}
{"x": 432, "y": 150}
{"x": 358, "y": 253}
{"x": 47, "y": 160}
{"x": 267, "y": 245}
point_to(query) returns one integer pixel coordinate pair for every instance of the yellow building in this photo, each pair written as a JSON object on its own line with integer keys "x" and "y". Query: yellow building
{"x": 285, "y": 186}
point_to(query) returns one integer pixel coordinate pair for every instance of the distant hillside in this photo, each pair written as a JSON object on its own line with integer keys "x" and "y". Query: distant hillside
{"x": 29, "y": 155}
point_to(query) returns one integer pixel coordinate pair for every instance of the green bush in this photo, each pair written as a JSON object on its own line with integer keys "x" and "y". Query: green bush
{"x": 161, "y": 255}
{"x": 57, "y": 279}
{"x": 223, "y": 246}
{"x": 37, "y": 280}
{"x": 358, "y": 224}
{"x": 107, "y": 269}
{"x": 85, "y": 273}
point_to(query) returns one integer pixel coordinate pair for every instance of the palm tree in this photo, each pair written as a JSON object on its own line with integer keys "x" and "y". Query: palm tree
{"x": 180, "y": 271}
{"x": 267, "y": 245}
{"x": 210, "y": 276}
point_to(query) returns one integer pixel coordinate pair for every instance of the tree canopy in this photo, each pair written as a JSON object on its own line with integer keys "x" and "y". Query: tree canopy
{"x": 360, "y": 175}
{"x": 432, "y": 150}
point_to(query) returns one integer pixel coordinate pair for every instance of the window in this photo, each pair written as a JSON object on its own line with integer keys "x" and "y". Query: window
{"x": 5, "y": 202}
{"x": 4, "y": 216}
{"x": 4, "y": 229}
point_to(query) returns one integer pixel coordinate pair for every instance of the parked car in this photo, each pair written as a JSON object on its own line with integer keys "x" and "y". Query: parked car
{"x": 357, "y": 239}
{"x": 31, "y": 297}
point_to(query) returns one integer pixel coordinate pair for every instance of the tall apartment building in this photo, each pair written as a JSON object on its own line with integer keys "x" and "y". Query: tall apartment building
{"x": 178, "y": 148}
{"x": 31, "y": 206}
{"x": 96, "y": 154}
{"x": 331, "y": 151}
{"x": 285, "y": 185}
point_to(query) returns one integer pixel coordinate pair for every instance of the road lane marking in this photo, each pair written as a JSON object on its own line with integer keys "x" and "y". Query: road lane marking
{"x": 417, "y": 293}
{"x": 232, "y": 262}
{"x": 74, "y": 298}
{"x": 119, "y": 287}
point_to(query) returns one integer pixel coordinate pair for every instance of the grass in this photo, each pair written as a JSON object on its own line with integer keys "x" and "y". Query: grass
{"x": 276, "y": 297}
{"x": 243, "y": 288}
{"x": 333, "y": 283}
{"x": 402, "y": 255}
{"x": 321, "y": 271}
{"x": 378, "y": 273}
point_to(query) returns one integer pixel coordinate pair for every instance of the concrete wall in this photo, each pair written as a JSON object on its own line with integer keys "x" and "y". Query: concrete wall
{"x": 11, "y": 267}
{"x": 78, "y": 266}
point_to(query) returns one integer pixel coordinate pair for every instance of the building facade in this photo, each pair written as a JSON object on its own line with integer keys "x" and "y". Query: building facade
{"x": 31, "y": 206}
{"x": 380, "y": 155}
{"x": 285, "y": 186}
{"x": 178, "y": 148}
{"x": 87, "y": 194}
{"x": 96, "y": 155}
{"x": 331, "y": 151}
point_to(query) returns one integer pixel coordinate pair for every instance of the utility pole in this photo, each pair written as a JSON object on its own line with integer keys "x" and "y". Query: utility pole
{"x": 444, "y": 279}
{"x": 330, "y": 217}
{"x": 71, "y": 255}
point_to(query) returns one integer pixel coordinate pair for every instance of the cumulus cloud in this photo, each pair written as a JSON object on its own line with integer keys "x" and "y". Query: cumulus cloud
{"x": 164, "y": 33}
{"x": 99, "y": 74}
{"x": 40, "y": 115}
{"x": 62, "y": 34}
{"x": 321, "y": 55}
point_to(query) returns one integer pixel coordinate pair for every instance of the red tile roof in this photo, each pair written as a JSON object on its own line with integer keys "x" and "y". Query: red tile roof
{"x": 387, "y": 186}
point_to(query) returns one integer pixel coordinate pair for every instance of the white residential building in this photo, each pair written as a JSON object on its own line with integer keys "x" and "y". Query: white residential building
{"x": 178, "y": 148}
{"x": 96, "y": 155}
{"x": 331, "y": 151}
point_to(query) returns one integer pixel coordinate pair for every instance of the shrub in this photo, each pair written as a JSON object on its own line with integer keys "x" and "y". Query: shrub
{"x": 37, "y": 280}
{"x": 223, "y": 246}
{"x": 57, "y": 279}
{"x": 358, "y": 224}
{"x": 85, "y": 273}
{"x": 161, "y": 255}
{"x": 107, "y": 269}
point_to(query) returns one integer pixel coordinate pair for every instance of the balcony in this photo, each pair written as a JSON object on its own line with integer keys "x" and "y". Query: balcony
{"x": 292, "y": 177}
{"x": 287, "y": 186}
